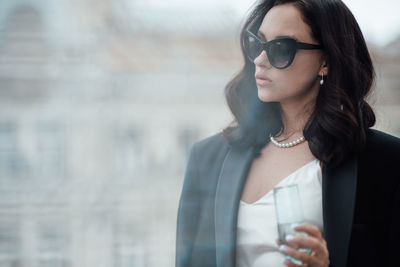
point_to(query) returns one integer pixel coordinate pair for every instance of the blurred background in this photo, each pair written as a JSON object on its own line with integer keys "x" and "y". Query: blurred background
{"x": 100, "y": 101}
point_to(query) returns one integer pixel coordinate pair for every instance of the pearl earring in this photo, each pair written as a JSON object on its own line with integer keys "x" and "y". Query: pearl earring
{"x": 321, "y": 82}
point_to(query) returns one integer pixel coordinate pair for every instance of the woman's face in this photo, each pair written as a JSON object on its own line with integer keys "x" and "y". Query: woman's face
{"x": 299, "y": 82}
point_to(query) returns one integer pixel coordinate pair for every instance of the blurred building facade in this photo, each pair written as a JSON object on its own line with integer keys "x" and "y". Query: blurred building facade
{"x": 100, "y": 102}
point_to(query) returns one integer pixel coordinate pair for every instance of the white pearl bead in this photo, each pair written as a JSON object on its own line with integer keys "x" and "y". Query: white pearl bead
{"x": 285, "y": 145}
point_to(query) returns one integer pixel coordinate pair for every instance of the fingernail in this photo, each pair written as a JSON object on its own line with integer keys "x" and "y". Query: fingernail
{"x": 289, "y": 238}
{"x": 294, "y": 225}
{"x": 283, "y": 248}
{"x": 286, "y": 262}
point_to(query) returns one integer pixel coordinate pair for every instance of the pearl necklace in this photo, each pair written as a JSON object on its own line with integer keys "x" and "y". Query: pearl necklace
{"x": 290, "y": 144}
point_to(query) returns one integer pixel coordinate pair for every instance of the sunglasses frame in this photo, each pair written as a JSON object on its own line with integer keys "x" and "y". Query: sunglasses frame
{"x": 293, "y": 44}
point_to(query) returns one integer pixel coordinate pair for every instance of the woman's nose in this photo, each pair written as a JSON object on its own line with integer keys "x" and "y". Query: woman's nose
{"x": 262, "y": 60}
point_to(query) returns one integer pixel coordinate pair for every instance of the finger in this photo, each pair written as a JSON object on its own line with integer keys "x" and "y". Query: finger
{"x": 308, "y": 242}
{"x": 291, "y": 264}
{"x": 310, "y": 229}
{"x": 303, "y": 257}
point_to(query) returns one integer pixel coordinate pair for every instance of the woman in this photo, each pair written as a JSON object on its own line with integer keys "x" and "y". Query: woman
{"x": 303, "y": 86}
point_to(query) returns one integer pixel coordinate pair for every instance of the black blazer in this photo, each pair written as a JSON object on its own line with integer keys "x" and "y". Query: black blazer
{"x": 361, "y": 204}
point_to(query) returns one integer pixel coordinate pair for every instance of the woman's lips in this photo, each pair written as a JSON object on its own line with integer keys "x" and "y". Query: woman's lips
{"x": 262, "y": 80}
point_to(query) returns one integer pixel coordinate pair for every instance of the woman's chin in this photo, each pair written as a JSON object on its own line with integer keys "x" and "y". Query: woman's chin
{"x": 266, "y": 96}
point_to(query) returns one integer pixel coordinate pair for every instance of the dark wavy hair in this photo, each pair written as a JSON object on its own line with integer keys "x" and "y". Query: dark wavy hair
{"x": 338, "y": 125}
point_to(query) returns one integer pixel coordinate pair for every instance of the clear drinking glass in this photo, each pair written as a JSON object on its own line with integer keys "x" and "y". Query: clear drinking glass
{"x": 288, "y": 211}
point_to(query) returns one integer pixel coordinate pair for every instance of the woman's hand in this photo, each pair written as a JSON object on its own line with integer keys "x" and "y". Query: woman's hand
{"x": 319, "y": 256}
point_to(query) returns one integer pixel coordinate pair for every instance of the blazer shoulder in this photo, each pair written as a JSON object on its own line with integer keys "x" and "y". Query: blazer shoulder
{"x": 211, "y": 144}
{"x": 209, "y": 153}
{"x": 381, "y": 151}
{"x": 378, "y": 140}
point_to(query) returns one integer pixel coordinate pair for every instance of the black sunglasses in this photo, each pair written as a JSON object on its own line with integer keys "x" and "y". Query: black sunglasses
{"x": 280, "y": 51}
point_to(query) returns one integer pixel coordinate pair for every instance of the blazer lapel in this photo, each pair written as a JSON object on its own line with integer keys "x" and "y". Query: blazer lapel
{"x": 229, "y": 189}
{"x": 338, "y": 201}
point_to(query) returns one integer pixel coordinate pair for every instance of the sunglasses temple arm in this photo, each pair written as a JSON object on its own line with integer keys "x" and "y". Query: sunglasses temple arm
{"x": 308, "y": 46}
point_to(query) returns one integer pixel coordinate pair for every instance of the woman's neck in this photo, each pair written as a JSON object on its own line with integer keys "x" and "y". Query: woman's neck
{"x": 294, "y": 118}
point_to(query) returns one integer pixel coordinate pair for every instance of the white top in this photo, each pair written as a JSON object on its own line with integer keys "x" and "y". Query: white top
{"x": 256, "y": 225}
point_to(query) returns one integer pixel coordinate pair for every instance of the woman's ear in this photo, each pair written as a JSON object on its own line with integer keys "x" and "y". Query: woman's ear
{"x": 324, "y": 66}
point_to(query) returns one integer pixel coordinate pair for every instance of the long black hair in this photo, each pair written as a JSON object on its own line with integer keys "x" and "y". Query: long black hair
{"x": 338, "y": 125}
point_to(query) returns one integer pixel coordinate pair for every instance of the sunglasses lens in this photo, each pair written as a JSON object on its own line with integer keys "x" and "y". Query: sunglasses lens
{"x": 252, "y": 47}
{"x": 280, "y": 53}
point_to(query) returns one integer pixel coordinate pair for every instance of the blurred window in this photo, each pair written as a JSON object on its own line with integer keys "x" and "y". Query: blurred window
{"x": 49, "y": 150}
{"x": 186, "y": 138}
{"x": 10, "y": 161}
{"x": 128, "y": 157}
{"x": 9, "y": 245}
{"x": 52, "y": 246}
{"x": 127, "y": 252}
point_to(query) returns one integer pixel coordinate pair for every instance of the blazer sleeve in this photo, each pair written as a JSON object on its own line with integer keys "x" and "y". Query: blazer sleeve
{"x": 188, "y": 212}
{"x": 394, "y": 234}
